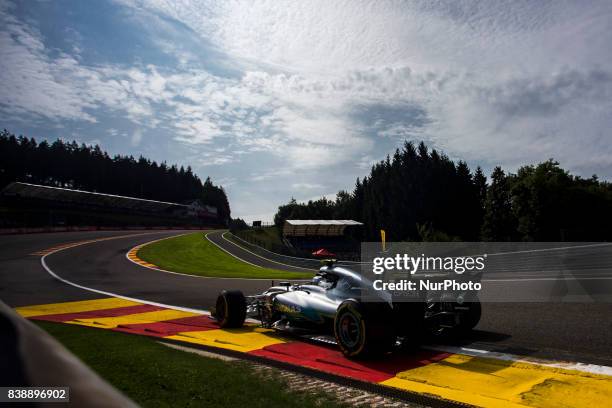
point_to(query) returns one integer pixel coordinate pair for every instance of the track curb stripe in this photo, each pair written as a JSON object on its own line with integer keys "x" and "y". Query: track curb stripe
{"x": 132, "y": 255}
{"x": 467, "y": 378}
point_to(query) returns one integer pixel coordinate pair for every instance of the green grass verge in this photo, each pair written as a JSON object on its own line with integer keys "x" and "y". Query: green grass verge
{"x": 267, "y": 236}
{"x": 154, "y": 375}
{"x": 195, "y": 255}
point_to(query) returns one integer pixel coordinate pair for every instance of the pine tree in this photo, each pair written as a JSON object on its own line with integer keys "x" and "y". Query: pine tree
{"x": 499, "y": 223}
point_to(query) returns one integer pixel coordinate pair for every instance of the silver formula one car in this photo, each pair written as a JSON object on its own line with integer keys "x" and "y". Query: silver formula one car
{"x": 332, "y": 308}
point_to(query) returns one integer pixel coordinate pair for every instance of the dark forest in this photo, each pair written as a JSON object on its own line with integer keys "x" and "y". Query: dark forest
{"x": 89, "y": 168}
{"x": 421, "y": 194}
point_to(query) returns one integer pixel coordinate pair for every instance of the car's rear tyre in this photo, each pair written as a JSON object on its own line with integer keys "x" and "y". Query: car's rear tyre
{"x": 363, "y": 329}
{"x": 230, "y": 309}
{"x": 470, "y": 314}
{"x": 409, "y": 322}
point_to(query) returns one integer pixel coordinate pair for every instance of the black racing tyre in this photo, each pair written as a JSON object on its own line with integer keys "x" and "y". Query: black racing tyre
{"x": 409, "y": 322}
{"x": 363, "y": 329}
{"x": 230, "y": 309}
{"x": 470, "y": 315}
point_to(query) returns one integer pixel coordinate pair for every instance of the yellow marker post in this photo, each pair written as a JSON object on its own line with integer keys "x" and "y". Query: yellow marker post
{"x": 383, "y": 239}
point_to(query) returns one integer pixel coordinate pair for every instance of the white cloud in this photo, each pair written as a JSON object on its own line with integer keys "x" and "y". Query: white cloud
{"x": 29, "y": 82}
{"x": 306, "y": 186}
{"x": 493, "y": 77}
{"x": 319, "y": 36}
{"x": 60, "y": 88}
{"x": 136, "y": 137}
{"x": 216, "y": 160}
{"x": 326, "y": 85}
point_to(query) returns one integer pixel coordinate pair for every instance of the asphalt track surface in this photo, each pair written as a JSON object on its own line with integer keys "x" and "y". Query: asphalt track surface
{"x": 562, "y": 331}
{"x": 217, "y": 238}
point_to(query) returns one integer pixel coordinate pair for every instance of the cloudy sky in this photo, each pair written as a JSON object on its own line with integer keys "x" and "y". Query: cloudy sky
{"x": 277, "y": 99}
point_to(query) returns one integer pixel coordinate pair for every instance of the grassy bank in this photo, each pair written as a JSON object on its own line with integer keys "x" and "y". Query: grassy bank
{"x": 195, "y": 255}
{"x": 267, "y": 237}
{"x": 154, "y": 375}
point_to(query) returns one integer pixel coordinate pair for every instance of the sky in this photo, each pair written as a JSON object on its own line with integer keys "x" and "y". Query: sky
{"x": 278, "y": 99}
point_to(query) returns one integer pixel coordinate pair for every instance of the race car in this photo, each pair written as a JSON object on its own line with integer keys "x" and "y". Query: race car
{"x": 333, "y": 308}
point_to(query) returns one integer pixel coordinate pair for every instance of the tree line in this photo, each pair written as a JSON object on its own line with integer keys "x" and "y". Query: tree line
{"x": 421, "y": 194}
{"x": 89, "y": 168}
